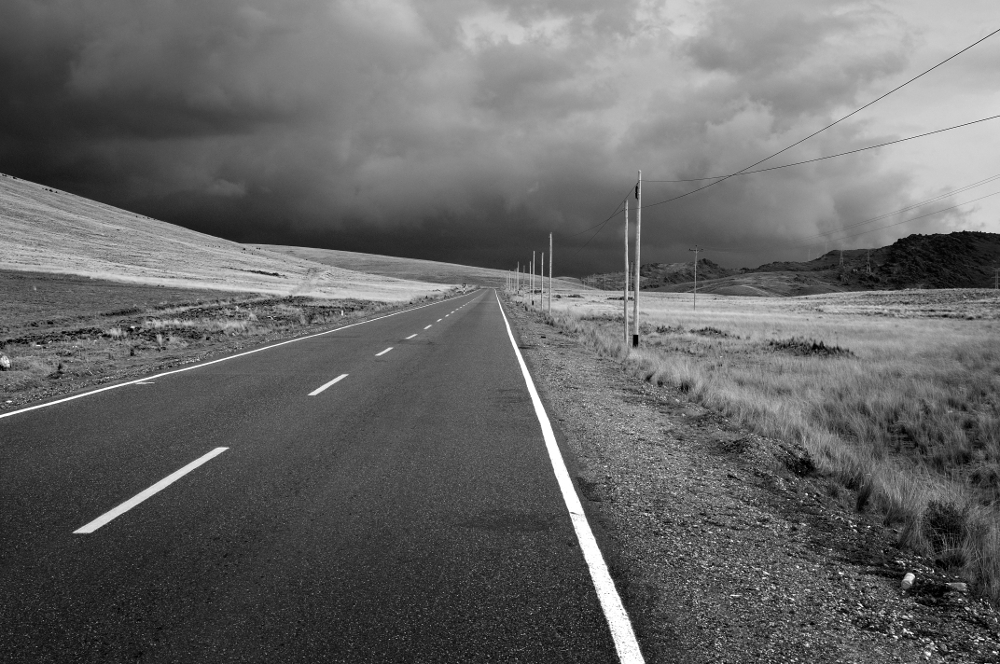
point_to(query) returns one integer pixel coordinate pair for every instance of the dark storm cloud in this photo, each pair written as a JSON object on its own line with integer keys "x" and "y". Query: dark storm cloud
{"x": 779, "y": 54}
{"x": 451, "y": 130}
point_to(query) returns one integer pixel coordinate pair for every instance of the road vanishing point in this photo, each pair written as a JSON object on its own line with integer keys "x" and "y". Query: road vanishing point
{"x": 388, "y": 491}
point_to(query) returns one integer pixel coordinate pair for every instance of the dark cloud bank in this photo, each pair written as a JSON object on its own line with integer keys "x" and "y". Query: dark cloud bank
{"x": 451, "y": 130}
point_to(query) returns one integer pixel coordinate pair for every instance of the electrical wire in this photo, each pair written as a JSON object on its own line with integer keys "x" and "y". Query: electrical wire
{"x": 742, "y": 171}
{"x": 600, "y": 226}
{"x": 980, "y": 183}
{"x": 839, "y": 154}
{"x": 832, "y": 124}
{"x": 609, "y": 217}
{"x": 906, "y": 221}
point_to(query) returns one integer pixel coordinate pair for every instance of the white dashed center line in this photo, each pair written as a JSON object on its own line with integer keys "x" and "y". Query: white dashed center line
{"x": 410, "y": 337}
{"x": 383, "y": 352}
{"x": 428, "y": 327}
{"x": 323, "y": 387}
{"x": 139, "y": 497}
{"x": 439, "y": 320}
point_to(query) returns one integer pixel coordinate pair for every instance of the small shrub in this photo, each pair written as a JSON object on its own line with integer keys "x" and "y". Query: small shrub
{"x": 797, "y": 346}
{"x": 942, "y": 528}
{"x": 710, "y": 332}
{"x": 981, "y": 550}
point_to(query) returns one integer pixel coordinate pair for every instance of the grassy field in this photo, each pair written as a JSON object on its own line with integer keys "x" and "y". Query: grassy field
{"x": 895, "y": 394}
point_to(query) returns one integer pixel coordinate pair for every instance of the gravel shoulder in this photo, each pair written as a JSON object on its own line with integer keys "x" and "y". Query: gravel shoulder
{"x": 729, "y": 547}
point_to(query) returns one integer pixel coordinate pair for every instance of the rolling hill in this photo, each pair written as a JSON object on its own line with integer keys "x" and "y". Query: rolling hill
{"x": 392, "y": 266}
{"x": 46, "y": 230}
{"x": 963, "y": 259}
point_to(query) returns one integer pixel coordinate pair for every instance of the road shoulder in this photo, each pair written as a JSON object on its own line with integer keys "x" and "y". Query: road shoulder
{"x": 728, "y": 547}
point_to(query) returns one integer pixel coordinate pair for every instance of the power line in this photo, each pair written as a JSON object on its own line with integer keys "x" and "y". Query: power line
{"x": 600, "y": 226}
{"x": 840, "y": 154}
{"x": 906, "y": 221}
{"x": 608, "y": 218}
{"x": 907, "y": 208}
{"x": 885, "y": 215}
{"x": 835, "y": 122}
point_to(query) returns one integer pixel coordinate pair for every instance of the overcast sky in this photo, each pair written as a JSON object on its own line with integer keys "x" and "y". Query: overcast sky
{"x": 467, "y": 131}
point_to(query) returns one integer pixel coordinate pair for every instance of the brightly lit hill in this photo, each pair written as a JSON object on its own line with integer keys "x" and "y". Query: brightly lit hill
{"x": 50, "y": 231}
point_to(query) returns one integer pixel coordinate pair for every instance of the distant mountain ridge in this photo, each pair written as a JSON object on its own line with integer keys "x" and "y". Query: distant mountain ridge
{"x": 963, "y": 259}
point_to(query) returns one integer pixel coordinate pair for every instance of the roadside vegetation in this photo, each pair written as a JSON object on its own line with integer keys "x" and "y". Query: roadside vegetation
{"x": 63, "y": 332}
{"x": 895, "y": 395}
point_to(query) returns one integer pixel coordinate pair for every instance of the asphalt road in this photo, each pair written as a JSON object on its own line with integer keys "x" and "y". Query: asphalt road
{"x": 407, "y": 513}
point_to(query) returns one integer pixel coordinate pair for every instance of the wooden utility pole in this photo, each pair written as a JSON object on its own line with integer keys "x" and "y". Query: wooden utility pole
{"x": 550, "y": 274}
{"x": 531, "y": 284}
{"x": 625, "y": 290}
{"x": 541, "y": 283}
{"x": 695, "y": 250}
{"x": 638, "y": 234}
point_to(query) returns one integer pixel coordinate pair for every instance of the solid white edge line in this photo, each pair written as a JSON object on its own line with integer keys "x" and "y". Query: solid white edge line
{"x": 221, "y": 359}
{"x": 611, "y": 602}
{"x": 409, "y": 337}
{"x": 383, "y": 352}
{"x": 143, "y": 495}
{"x": 332, "y": 382}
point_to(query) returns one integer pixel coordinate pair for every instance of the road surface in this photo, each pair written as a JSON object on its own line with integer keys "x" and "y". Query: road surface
{"x": 380, "y": 493}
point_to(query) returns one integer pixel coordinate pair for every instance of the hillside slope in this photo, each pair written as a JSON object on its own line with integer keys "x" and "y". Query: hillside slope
{"x": 966, "y": 259}
{"x": 660, "y": 274}
{"x": 393, "y": 266}
{"x": 963, "y": 259}
{"x": 45, "y": 230}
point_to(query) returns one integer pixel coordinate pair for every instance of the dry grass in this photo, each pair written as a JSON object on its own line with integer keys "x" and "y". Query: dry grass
{"x": 392, "y": 266}
{"x": 45, "y": 230}
{"x": 51, "y": 356}
{"x": 896, "y": 396}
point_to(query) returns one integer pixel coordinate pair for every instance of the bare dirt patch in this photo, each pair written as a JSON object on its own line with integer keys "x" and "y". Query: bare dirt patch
{"x": 728, "y": 546}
